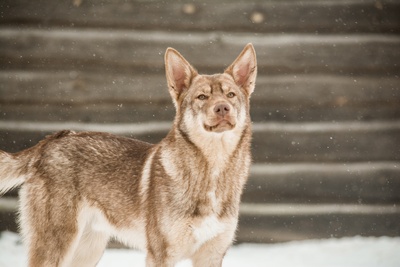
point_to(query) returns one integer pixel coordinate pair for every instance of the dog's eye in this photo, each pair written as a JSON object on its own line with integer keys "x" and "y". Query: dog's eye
{"x": 202, "y": 97}
{"x": 231, "y": 94}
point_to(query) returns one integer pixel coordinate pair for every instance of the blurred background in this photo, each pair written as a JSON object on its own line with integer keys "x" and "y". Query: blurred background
{"x": 326, "y": 109}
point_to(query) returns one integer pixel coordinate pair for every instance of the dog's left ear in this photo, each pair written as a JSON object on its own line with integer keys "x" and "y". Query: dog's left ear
{"x": 244, "y": 69}
{"x": 179, "y": 73}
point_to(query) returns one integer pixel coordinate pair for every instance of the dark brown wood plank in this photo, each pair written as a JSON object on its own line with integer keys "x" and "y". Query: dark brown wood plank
{"x": 296, "y": 222}
{"x": 357, "y": 183}
{"x": 88, "y": 113}
{"x": 135, "y": 52}
{"x": 77, "y": 87}
{"x": 327, "y": 142}
{"x": 345, "y": 16}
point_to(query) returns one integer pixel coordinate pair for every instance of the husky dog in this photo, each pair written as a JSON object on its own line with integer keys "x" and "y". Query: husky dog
{"x": 178, "y": 199}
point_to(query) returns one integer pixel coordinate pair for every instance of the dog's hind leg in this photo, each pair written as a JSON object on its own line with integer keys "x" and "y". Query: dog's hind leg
{"x": 48, "y": 224}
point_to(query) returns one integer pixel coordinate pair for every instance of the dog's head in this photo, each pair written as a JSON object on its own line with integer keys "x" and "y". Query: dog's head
{"x": 211, "y": 104}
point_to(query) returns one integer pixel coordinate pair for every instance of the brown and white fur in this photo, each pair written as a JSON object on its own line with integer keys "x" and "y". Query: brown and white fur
{"x": 178, "y": 199}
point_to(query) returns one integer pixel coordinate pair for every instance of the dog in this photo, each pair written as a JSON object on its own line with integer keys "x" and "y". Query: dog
{"x": 178, "y": 199}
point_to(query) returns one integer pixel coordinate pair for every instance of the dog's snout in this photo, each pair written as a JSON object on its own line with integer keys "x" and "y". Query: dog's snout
{"x": 221, "y": 109}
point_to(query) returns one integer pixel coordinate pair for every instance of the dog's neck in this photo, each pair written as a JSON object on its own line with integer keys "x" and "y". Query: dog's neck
{"x": 215, "y": 149}
{"x": 218, "y": 148}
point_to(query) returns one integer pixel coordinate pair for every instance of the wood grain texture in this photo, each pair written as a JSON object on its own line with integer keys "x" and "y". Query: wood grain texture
{"x": 344, "y": 16}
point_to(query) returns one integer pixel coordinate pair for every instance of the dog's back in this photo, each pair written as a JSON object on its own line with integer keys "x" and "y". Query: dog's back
{"x": 73, "y": 155}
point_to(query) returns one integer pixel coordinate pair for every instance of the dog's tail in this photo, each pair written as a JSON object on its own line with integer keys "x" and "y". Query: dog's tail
{"x": 16, "y": 168}
{"x": 13, "y": 170}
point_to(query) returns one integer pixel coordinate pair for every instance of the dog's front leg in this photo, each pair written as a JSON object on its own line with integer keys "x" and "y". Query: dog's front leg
{"x": 211, "y": 253}
{"x": 159, "y": 261}
{"x": 159, "y": 252}
{"x": 209, "y": 256}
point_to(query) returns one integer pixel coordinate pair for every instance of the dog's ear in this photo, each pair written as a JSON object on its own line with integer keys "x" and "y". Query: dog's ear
{"x": 179, "y": 72}
{"x": 244, "y": 69}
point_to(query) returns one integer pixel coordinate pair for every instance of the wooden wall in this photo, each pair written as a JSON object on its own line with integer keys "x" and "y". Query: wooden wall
{"x": 326, "y": 109}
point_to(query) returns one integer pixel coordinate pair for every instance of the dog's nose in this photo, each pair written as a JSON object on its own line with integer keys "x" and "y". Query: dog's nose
{"x": 221, "y": 109}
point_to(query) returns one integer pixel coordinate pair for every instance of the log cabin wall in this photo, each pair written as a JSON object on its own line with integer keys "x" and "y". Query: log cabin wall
{"x": 326, "y": 108}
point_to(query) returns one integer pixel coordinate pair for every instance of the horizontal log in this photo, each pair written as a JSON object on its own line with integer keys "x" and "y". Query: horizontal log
{"x": 256, "y": 16}
{"x": 265, "y": 223}
{"x": 61, "y": 87}
{"x": 78, "y": 88}
{"x": 104, "y": 97}
{"x": 272, "y": 142}
{"x": 362, "y": 183}
{"x": 316, "y": 142}
{"x": 129, "y": 51}
{"x": 89, "y": 113}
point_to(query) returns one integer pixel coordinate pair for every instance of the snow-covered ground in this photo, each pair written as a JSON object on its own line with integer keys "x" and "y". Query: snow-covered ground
{"x": 344, "y": 252}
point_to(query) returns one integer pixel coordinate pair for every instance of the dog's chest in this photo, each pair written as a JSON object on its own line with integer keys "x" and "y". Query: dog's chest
{"x": 206, "y": 222}
{"x": 205, "y": 194}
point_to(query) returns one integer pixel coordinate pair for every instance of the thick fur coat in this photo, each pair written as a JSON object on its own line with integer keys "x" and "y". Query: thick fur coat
{"x": 177, "y": 199}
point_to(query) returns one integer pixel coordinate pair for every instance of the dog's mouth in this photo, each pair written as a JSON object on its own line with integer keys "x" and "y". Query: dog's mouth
{"x": 220, "y": 126}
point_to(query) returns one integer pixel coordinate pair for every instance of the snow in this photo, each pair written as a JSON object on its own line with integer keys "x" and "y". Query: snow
{"x": 343, "y": 252}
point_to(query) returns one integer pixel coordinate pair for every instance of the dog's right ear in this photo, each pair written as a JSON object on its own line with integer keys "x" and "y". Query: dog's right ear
{"x": 179, "y": 73}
